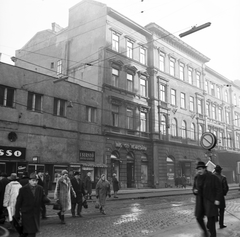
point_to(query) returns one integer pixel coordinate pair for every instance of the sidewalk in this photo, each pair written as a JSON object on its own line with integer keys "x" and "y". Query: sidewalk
{"x": 125, "y": 194}
{"x": 192, "y": 229}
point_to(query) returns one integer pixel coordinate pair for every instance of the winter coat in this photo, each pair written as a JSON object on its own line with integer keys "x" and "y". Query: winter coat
{"x": 63, "y": 192}
{"x": 10, "y": 196}
{"x": 102, "y": 190}
{"x": 29, "y": 205}
{"x": 78, "y": 187}
{"x": 88, "y": 184}
{"x": 209, "y": 190}
{"x": 224, "y": 187}
{"x": 3, "y": 184}
{"x": 23, "y": 181}
{"x": 115, "y": 184}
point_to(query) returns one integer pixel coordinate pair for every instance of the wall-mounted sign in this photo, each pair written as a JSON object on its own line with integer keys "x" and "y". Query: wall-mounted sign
{"x": 208, "y": 140}
{"x": 11, "y": 153}
{"x": 131, "y": 146}
{"x": 35, "y": 159}
{"x": 86, "y": 155}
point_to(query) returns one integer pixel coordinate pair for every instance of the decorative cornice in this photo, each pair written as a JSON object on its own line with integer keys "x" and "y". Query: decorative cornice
{"x": 131, "y": 68}
{"x": 113, "y": 62}
{"x": 143, "y": 73}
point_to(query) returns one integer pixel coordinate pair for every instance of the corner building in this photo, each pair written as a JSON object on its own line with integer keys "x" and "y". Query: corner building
{"x": 153, "y": 86}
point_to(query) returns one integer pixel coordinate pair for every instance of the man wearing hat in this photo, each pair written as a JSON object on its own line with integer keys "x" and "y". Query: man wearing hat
{"x": 225, "y": 188}
{"x": 79, "y": 189}
{"x": 207, "y": 189}
{"x": 29, "y": 202}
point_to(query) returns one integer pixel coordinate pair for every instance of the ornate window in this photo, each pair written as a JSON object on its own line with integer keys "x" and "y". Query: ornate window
{"x": 184, "y": 129}
{"x": 174, "y": 127}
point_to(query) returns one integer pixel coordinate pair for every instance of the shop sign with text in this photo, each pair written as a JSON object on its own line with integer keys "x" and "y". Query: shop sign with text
{"x": 86, "y": 155}
{"x": 130, "y": 146}
{"x": 11, "y": 153}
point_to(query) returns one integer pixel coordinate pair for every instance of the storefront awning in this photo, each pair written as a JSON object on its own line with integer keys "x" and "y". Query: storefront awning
{"x": 88, "y": 164}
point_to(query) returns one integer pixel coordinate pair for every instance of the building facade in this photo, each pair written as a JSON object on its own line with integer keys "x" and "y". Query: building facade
{"x": 158, "y": 96}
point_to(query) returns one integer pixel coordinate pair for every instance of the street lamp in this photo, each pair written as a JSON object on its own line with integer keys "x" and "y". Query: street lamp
{"x": 194, "y": 29}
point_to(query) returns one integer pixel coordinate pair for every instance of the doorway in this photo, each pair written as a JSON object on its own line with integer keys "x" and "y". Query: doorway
{"x": 130, "y": 173}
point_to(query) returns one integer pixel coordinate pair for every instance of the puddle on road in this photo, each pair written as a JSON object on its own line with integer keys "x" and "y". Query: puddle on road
{"x": 178, "y": 204}
{"x": 133, "y": 216}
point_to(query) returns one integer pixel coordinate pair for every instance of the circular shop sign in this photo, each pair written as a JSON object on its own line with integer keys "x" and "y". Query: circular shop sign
{"x": 208, "y": 140}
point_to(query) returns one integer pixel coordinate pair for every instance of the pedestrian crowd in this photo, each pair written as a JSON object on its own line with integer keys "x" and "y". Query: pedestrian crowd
{"x": 23, "y": 201}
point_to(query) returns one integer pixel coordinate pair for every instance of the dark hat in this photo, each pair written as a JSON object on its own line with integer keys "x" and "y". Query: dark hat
{"x": 3, "y": 174}
{"x": 201, "y": 164}
{"x": 77, "y": 173}
{"x": 218, "y": 168}
{"x": 13, "y": 176}
{"x": 33, "y": 176}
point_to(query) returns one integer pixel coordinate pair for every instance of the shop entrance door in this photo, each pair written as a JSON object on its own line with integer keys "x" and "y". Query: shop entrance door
{"x": 130, "y": 179}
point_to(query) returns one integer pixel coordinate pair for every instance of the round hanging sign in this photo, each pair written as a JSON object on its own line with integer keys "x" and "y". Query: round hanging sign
{"x": 208, "y": 140}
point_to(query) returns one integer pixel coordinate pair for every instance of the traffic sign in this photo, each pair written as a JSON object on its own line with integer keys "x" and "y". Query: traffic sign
{"x": 208, "y": 140}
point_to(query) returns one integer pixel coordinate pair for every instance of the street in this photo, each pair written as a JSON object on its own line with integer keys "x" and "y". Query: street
{"x": 129, "y": 218}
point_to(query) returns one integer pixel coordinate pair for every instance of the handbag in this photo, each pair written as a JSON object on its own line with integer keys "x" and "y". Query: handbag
{"x": 97, "y": 204}
{"x": 84, "y": 204}
{"x": 57, "y": 205}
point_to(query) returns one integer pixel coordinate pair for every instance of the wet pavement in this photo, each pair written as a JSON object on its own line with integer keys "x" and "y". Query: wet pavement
{"x": 156, "y": 216}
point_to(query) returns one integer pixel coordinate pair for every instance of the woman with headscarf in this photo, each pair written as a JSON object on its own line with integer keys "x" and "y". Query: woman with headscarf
{"x": 102, "y": 191}
{"x": 62, "y": 194}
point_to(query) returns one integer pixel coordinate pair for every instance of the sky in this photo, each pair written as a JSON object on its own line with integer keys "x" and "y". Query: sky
{"x": 20, "y": 20}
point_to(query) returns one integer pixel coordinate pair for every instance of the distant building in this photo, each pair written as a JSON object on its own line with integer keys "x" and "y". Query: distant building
{"x": 158, "y": 94}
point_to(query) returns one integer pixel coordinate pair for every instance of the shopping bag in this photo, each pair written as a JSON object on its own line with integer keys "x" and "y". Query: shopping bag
{"x": 17, "y": 225}
{"x": 97, "y": 204}
{"x": 57, "y": 205}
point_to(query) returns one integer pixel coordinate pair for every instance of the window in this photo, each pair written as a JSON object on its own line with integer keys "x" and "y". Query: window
{"x": 193, "y": 132}
{"x": 181, "y": 71}
{"x": 115, "y": 115}
{"x": 143, "y": 87}
{"x": 212, "y": 89}
{"x": 129, "y": 82}
{"x": 190, "y": 75}
{"x": 163, "y": 125}
{"x": 198, "y": 78}
{"x": 173, "y": 97}
{"x": 172, "y": 66}
{"x": 143, "y": 119}
{"x": 206, "y": 86}
{"x": 218, "y": 92}
{"x": 184, "y": 129}
{"x": 144, "y": 170}
{"x": 115, "y": 41}
{"x": 226, "y": 96}
{"x": 227, "y": 117}
{"x": 52, "y": 65}
{"x": 229, "y": 143}
{"x": 34, "y": 102}
{"x": 91, "y": 114}
{"x": 221, "y": 143}
{"x": 59, "y": 67}
{"x": 199, "y": 104}
{"x": 129, "y": 49}
{"x": 115, "y": 77}
{"x": 6, "y": 96}
{"x": 129, "y": 118}
{"x": 236, "y": 118}
{"x": 234, "y": 99}
{"x": 220, "y": 114}
{"x": 191, "y": 102}
{"x": 174, "y": 127}
{"x": 183, "y": 101}
{"x": 200, "y": 131}
{"x": 59, "y": 107}
{"x": 208, "y": 109}
{"x": 213, "y": 111}
{"x": 142, "y": 55}
{"x": 163, "y": 92}
{"x": 162, "y": 61}
{"x": 238, "y": 141}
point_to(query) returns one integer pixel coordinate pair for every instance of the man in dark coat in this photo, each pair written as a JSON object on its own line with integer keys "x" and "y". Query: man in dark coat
{"x": 225, "y": 188}
{"x": 115, "y": 184}
{"x": 3, "y": 183}
{"x": 207, "y": 189}
{"x": 41, "y": 182}
{"x": 88, "y": 185}
{"x": 24, "y": 180}
{"x": 78, "y": 187}
{"x": 29, "y": 202}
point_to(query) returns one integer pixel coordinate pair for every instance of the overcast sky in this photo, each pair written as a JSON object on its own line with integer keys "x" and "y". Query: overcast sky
{"x": 21, "y": 19}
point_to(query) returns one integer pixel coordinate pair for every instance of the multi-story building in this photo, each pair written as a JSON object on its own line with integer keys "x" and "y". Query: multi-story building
{"x": 158, "y": 94}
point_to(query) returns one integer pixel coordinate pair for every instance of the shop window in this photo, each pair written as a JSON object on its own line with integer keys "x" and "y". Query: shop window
{"x": 144, "y": 169}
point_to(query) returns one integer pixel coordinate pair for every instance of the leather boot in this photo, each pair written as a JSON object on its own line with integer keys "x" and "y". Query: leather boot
{"x": 62, "y": 219}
